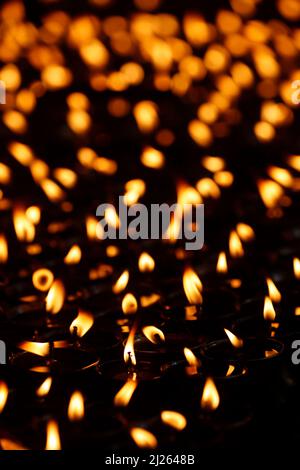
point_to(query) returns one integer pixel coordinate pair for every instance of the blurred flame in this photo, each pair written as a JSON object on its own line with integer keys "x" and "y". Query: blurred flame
{"x": 210, "y": 398}
{"x": 235, "y": 341}
{"x": 146, "y": 116}
{"x": 245, "y": 232}
{"x": 73, "y": 256}
{"x": 91, "y": 227}
{"x": 274, "y": 293}
{"x": 174, "y": 419}
{"x": 3, "y": 395}
{"x": 24, "y": 228}
{"x": 151, "y": 333}
{"x": 143, "y": 438}
{"x": 42, "y": 279}
{"x": 152, "y": 158}
{"x": 44, "y": 389}
{"x": 235, "y": 245}
{"x": 146, "y": 262}
{"x": 296, "y": 264}
{"x": 269, "y": 312}
{"x": 3, "y": 249}
{"x": 55, "y": 297}
{"x": 270, "y": 192}
{"x": 192, "y": 286}
{"x": 121, "y": 283}
{"x": 76, "y": 406}
{"x": 147, "y": 300}
{"x": 111, "y": 217}
{"x": 33, "y": 213}
{"x": 124, "y": 395}
{"x": 192, "y": 360}
{"x": 53, "y": 437}
{"x": 230, "y": 370}
{"x": 222, "y": 266}
{"x": 41, "y": 349}
{"x": 7, "y": 444}
{"x": 83, "y": 323}
{"x": 129, "y": 304}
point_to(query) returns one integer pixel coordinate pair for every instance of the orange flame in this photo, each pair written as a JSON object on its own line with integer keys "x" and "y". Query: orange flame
{"x": 146, "y": 262}
{"x": 42, "y": 279}
{"x": 129, "y": 355}
{"x": 121, "y": 283}
{"x": 143, "y": 438}
{"x": 41, "y": 349}
{"x": 230, "y": 370}
{"x": 8, "y": 444}
{"x": 73, "y": 256}
{"x": 274, "y": 293}
{"x": 76, "y": 406}
{"x": 24, "y": 228}
{"x": 147, "y": 300}
{"x": 269, "y": 312}
{"x": 3, "y": 395}
{"x": 174, "y": 419}
{"x": 192, "y": 286}
{"x": 124, "y": 395}
{"x": 44, "y": 388}
{"x": 152, "y": 333}
{"x": 222, "y": 266}
{"x": 55, "y": 297}
{"x": 296, "y": 263}
{"x": 191, "y": 358}
{"x": 210, "y": 398}
{"x": 235, "y": 245}
{"x": 53, "y": 437}
{"x": 245, "y": 232}
{"x": 270, "y": 192}
{"x": 235, "y": 341}
{"x": 83, "y": 323}
{"x": 91, "y": 227}
{"x": 129, "y": 304}
{"x": 3, "y": 249}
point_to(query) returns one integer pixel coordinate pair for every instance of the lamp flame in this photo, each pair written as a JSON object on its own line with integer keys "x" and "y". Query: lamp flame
{"x": 83, "y": 323}
{"x": 142, "y": 438}
{"x": 3, "y": 395}
{"x": 3, "y": 249}
{"x": 124, "y": 395}
{"x": 222, "y": 266}
{"x": 192, "y": 286}
{"x": 40, "y": 349}
{"x": 235, "y": 245}
{"x": 129, "y": 304}
{"x": 296, "y": 263}
{"x": 53, "y": 437}
{"x": 73, "y": 256}
{"x": 55, "y": 297}
{"x": 210, "y": 398}
{"x": 146, "y": 262}
{"x": 129, "y": 355}
{"x": 76, "y": 406}
{"x": 24, "y": 228}
{"x": 269, "y": 312}
{"x": 274, "y": 293}
{"x": 44, "y": 389}
{"x": 235, "y": 341}
{"x": 174, "y": 419}
{"x": 152, "y": 333}
{"x": 121, "y": 283}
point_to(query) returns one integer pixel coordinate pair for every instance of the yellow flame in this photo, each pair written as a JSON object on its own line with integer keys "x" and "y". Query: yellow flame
{"x": 296, "y": 263}
{"x": 269, "y": 312}
{"x": 146, "y": 262}
{"x": 147, "y": 300}
{"x": 129, "y": 354}
{"x": 3, "y": 395}
{"x": 91, "y": 227}
{"x": 274, "y": 293}
{"x": 245, "y": 232}
{"x": 44, "y": 388}
{"x": 142, "y": 438}
{"x": 42, "y": 279}
{"x": 152, "y": 333}
{"x": 281, "y": 176}
{"x": 76, "y": 406}
{"x": 146, "y": 116}
{"x": 55, "y": 297}
{"x": 210, "y": 398}
{"x": 3, "y": 249}
{"x": 192, "y": 286}
{"x": 235, "y": 341}
{"x": 73, "y": 256}
{"x": 174, "y": 419}
{"x": 124, "y": 395}
{"x": 53, "y": 437}
{"x": 111, "y": 217}
{"x": 270, "y": 193}
{"x": 121, "y": 283}
{"x": 41, "y": 349}
{"x": 222, "y": 266}
{"x": 235, "y": 245}
{"x": 24, "y": 228}
{"x": 83, "y": 323}
{"x": 152, "y": 158}
{"x": 230, "y": 370}
{"x": 8, "y": 444}
{"x": 129, "y": 304}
